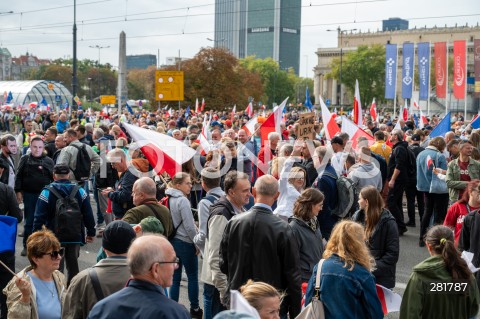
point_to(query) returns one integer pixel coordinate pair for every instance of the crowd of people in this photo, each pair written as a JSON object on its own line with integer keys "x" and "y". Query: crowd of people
{"x": 261, "y": 215}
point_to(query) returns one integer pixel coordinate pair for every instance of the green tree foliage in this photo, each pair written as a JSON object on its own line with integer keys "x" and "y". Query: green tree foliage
{"x": 367, "y": 64}
{"x": 141, "y": 84}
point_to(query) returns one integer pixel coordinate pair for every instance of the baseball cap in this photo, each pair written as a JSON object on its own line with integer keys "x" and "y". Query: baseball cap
{"x": 416, "y": 137}
{"x": 228, "y": 123}
{"x": 117, "y": 237}
{"x": 152, "y": 224}
{"x": 61, "y": 169}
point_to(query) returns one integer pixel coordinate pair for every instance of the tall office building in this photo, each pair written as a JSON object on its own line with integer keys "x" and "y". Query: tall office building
{"x": 267, "y": 28}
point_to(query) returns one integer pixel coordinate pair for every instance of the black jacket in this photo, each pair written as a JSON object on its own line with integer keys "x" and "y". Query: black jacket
{"x": 399, "y": 159}
{"x": 8, "y": 203}
{"x": 384, "y": 247}
{"x": 310, "y": 246}
{"x": 470, "y": 239}
{"x": 221, "y": 207}
{"x": 33, "y": 173}
{"x": 122, "y": 195}
{"x": 50, "y": 148}
{"x": 6, "y": 171}
{"x": 260, "y": 246}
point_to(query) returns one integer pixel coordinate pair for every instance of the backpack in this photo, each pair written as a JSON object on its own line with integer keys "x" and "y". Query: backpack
{"x": 68, "y": 220}
{"x": 165, "y": 201}
{"x": 347, "y": 196}
{"x": 83, "y": 164}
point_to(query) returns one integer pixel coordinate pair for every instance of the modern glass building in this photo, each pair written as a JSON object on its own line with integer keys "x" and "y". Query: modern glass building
{"x": 142, "y": 61}
{"x": 26, "y": 92}
{"x": 267, "y": 28}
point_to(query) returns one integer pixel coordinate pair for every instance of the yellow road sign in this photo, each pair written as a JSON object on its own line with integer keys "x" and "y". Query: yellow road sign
{"x": 169, "y": 86}
{"x": 107, "y": 99}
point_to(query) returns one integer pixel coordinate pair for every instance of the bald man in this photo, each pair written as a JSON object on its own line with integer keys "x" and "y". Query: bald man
{"x": 259, "y": 245}
{"x": 152, "y": 261}
{"x": 144, "y": 199}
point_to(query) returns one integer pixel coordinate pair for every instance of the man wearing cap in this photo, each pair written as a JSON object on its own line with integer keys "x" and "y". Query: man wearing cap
{"x": 144, "y": 192}
{"x": 45, "y": 212}
{"x": 106, "y": 277}
{"x": 152, "y": 261}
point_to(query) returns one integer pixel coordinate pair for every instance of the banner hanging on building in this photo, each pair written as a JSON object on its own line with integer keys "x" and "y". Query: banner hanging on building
{"x": 459, "y": 68}
{"x": 407, "y": 70}
{"x": 390, "y": 71}
{"x": 423, "y": 50}
{"x": 476, "y": 61}
{"x": 441, "y": 72}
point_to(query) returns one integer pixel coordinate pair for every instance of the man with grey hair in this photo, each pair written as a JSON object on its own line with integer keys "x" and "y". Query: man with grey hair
{"x": 259, "y": 245}
{"x": 152, "y": 261}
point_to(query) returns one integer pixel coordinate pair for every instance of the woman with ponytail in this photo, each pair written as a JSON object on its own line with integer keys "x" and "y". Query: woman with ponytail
{"x": 441, "y": 286}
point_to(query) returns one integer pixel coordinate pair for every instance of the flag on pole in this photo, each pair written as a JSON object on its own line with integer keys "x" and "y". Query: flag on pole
{"x": 415, "y": 105}
{"x": 475, "y": 122}
{"x": 441, "y": 72}
{"x": 373, "y": 110}
{"x": 389, "y": 300}
{"x": 129, "y": 108}
{"x": 163, "y": 152}
{"x": 442, "y": 128}
{"x": 273, "y": 121}
{"x": 329, "y": 123}
{"x": 308, "y": 102}
{"x": 357, "y": 106}
{"x": 9, "y": 97}
{"x": 459, "y": 72}
{"x": 197, "y": 106}
{"x": 203, "y": 104}
{"x": 249, "y": 110}
{"x": 405, "y": 111}
{"x": 234, "y": 110}
{"x": 423, "y": 120}
{"x": 205, "y": 136}
{"x": 249, "y": 127}
{"x": 187, "y": 112}
{"x": 354, "y": 132}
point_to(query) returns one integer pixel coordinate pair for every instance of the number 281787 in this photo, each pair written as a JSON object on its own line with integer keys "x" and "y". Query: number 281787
{"x": 457, "y": 287}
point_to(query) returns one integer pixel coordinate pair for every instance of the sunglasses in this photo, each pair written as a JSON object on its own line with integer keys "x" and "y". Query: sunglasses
{"x": 54, "y": 254}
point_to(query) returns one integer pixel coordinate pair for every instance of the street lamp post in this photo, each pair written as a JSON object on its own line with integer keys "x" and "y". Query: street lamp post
{"x": 340, "y": 34}
{"x": 99, "y": 49}
{"x": 90, "y": 89}
{"x": 216, "y": 42}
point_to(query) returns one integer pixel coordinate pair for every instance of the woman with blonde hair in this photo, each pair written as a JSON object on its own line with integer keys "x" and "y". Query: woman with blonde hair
{"x": 185, "y": 230}
{"x": 381, "y": 234}
{"x": 347, "y": 287}
{"x": 306, "y": 230}
{"x": 37, "y": 291}
{"x": 263, "y": 297}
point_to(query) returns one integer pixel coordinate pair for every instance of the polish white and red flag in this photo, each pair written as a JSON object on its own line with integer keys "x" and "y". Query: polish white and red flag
{"x": 354, "y": 132}
{"x": 205, "y": 136}
{"x": 273, "y": 121}
{"x": 163, "y": 152}
{"x": 405, "y": 111}
{"x": 389, "y": 300}
{"x": 197, "y": 106}
{"x": 430, "y": 162}
{"x": 357, "y": 106}
{"x": 234, "y": 110}
{"x": 373, "y": 110}
{"x": 203, "y": 105}
{"x": 423, "y": 120}
{"x": 415, "y": 105}
{"x": 329, "y": 123}
{"x": 249, "y": 127}
{"x": 249, "y": 110}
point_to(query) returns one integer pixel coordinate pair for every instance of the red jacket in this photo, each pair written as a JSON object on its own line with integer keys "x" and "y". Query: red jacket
{"x": 454, "y": 218}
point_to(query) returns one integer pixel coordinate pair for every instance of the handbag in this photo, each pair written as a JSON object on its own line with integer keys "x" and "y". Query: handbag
{"x": 437, "y": 186}
{"x": 315, "y": 309}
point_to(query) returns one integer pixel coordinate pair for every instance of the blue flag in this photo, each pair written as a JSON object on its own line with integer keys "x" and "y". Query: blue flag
{"x": 64, "y": 106}
{"x": 476, "y": 123}
{"x": 407, "y": 71}
{"x": 187, "y": 112}
{"x": 43, "y": 102}
{"x": 423, "y": 50}
{"x": 129, "y": 108}
{"x": 9, "y": 97}
{"x": 442, "y": 128}
{"x": 308, "y": 102}
{"x": 390, "y": 71}
{"x": 415, "y": 119}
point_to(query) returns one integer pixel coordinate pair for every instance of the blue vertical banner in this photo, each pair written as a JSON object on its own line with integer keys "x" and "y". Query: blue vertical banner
{"x": 423, "y": 51}
{"x": 407, "y": 70}
{"x": 390, "y": 71}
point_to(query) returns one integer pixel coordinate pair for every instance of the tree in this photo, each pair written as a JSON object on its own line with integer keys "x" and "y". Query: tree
{"x": 214, "y": 74}
{"x": 141, "y": 84}
{"x": 367, "y": 64}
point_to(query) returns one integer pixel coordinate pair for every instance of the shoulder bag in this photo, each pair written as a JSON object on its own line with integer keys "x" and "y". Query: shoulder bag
{"x": 314, "y": 310}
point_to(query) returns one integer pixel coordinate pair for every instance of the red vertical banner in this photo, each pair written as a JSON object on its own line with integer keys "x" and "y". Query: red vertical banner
{"x": 440, "y": 54}
{"x": 459, "y": 68}
{"x": 476, "y": 61}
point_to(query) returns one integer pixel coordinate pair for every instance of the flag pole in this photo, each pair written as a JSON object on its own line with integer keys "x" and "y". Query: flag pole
{"x": 396, "y": 76}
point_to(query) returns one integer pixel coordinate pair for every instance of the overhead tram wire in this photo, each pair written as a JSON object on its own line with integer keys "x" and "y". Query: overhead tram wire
{"x": 122, "y": 17}
{"x": 210, "y": 32}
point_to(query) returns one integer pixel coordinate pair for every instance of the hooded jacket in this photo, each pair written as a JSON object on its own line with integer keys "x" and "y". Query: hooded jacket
{"x": 181, "y": 211}
{"x": 384, "y": 247}
{"x": 419, "y": 302}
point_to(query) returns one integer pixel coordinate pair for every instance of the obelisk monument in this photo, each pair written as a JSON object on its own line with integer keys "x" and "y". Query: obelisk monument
{"x": 122, "y": 91}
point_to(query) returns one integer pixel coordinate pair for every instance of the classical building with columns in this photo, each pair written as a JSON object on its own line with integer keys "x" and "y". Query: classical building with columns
{"x": 330, "y": 89}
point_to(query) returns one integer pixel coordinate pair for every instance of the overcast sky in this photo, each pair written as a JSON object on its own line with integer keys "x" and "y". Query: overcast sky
{"x": 44, "y": 28}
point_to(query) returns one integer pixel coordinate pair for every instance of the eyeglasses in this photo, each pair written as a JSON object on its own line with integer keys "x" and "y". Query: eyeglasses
{"x": 176, "y": 262}
{"x": 54, "y": 254}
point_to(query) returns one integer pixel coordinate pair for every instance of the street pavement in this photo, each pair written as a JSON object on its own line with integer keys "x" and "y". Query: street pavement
{"x": 410, "y": 255}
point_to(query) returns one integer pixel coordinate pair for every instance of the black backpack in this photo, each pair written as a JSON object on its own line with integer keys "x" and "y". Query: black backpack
{"x": 83, "y": 165}
{"x": 347, "y": 196}
{"x": 68, "y": 220}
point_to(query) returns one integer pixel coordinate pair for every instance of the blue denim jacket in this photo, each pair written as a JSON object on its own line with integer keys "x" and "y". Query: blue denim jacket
{"x": 424, "y": 173}
{"x": 345, "y": 293}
